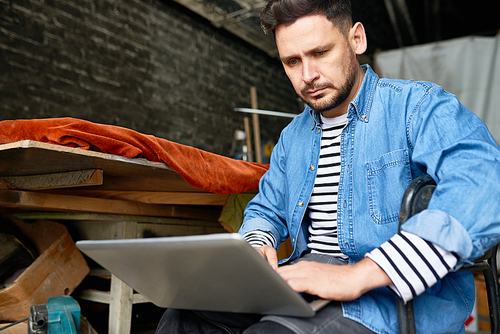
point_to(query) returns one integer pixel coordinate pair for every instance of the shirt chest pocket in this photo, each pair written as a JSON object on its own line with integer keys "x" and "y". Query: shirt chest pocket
{"x": 387, "y": 179}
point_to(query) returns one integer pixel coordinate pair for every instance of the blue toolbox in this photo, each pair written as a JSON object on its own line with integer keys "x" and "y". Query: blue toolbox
{"x": 61, "y": 315}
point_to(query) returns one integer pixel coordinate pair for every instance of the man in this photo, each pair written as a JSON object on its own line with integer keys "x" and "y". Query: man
{"x": 337, "y": 177}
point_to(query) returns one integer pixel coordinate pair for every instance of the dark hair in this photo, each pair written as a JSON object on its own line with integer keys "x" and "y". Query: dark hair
{"x": 278, "y": 12}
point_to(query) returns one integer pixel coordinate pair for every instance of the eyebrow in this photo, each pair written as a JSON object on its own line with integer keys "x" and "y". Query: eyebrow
{"x": 286, "y": 59}
{"x": 323, "y": 47}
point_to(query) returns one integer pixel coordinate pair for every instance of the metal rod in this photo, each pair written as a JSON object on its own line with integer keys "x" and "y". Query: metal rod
{"x": 266, "y": 112}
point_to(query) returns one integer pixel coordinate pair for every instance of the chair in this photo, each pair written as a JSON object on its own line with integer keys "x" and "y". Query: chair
{"x": 416, "y": 199}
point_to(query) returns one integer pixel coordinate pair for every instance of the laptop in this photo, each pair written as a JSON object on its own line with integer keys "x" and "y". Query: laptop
{"x": 217, "y": 272}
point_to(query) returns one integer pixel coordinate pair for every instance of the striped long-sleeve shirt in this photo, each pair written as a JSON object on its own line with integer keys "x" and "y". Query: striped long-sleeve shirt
{"x": 322, "y": 207}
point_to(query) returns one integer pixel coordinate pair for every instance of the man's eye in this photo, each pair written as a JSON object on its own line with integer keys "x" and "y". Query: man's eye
{"x": 320, "y": 53}
{"x": 293, "y": 62}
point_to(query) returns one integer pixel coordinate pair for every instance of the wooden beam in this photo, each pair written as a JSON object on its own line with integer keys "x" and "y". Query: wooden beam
{"x": 256, "y": 126}
{"x": 121, "y": 294}
{"x": 26, "y": 200}
{"x": 246, "y": 122}
{"x": 81, "y": 178}
{"x": 110, "y": 219}
{"x": 403, "y": 7}
{"x": 236, "y": 27}
{"x": 104, "y": 297}
{"x": 392, "y": 16}
{"x": 152, "y": 197}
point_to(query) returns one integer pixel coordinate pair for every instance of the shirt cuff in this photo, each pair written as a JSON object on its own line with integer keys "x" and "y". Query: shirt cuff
{"x": 412, "y": 263}
{"x": 260, "y": 238}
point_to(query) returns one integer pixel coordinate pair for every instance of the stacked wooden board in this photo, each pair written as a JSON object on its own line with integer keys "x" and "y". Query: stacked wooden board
{"x": 37, "y": 176}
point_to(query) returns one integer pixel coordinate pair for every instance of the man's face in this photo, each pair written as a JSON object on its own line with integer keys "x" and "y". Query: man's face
{"x": 320, "y": 62}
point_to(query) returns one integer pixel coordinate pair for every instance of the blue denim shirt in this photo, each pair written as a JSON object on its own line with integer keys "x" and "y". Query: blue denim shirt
{"x": 396, "y": 131}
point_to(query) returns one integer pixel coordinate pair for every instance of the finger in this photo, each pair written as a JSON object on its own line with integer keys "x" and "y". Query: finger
{"x": 290, "y": 272}
{"x": 272, "y": 257}
{"x": 296, "y": 269}
{"x": 269, "y": 254}
{"x": 294, "y": 277}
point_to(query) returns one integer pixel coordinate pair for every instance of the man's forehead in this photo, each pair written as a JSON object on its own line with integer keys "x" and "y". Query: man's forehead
{"x": 307, "y": 32}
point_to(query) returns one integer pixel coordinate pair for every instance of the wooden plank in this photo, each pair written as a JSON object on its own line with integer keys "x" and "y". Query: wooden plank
{"x": 89, "y": 177}
{"x": 152, "y": 197}
{"x": 104, "y": 297}
{"x": 121, "y": 294}
{"x": 56, "y": 272}
{"x": 35, "y": 158}
{"x": 26, "y": 144}
{"x": 99, "y": 230}
{"x": 177, "y": 230}
{"x": 81, "y": 217}
{"x": 256, "y": 126}
{"x": 246, "y": 122}
{"x": 120, "y": 307}
{"x": 100, "y": 226}
{"x": 26, "y": 200}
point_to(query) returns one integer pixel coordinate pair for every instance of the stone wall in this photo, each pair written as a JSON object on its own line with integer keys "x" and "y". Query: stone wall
{"x": 151, "y": 66}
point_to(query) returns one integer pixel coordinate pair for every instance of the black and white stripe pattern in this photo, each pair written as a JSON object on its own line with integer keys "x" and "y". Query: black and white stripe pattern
{"x": 412, "y": 263}
{"x": 322, "y": 208}
{"x": 259, "y": 238}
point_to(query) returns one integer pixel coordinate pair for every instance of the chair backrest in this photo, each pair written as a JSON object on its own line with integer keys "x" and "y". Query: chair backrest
{"x": 416, "y": 197}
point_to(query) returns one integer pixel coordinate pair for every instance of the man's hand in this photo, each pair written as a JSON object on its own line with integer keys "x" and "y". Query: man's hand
{"x": 335, "y": 282}
{"x": 270, "y": 254}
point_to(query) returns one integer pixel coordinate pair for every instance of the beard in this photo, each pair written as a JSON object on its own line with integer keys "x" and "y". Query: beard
{"x": 324, "y": 102}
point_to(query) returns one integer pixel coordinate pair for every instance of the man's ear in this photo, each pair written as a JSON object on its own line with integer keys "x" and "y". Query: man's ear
{"x": 357, "y": 38}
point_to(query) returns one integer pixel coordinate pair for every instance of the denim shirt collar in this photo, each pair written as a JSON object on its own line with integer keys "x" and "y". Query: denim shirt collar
{"x": 315, "y": 116}
{"x": 361, "y": 105}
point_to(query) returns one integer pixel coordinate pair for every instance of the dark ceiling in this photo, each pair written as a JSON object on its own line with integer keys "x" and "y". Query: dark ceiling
{"x": 424, "y": 21}
{"x": 389, "y": 24}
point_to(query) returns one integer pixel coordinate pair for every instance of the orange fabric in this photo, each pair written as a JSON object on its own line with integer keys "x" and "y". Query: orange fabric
{"x": 201, "y": 169}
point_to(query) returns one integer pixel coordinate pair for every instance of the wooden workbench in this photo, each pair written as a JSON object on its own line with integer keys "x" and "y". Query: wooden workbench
{"x": 100, "y": 195}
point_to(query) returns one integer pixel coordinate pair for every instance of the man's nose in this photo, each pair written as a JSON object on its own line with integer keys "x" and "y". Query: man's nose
{"x": 309, "y": 72}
